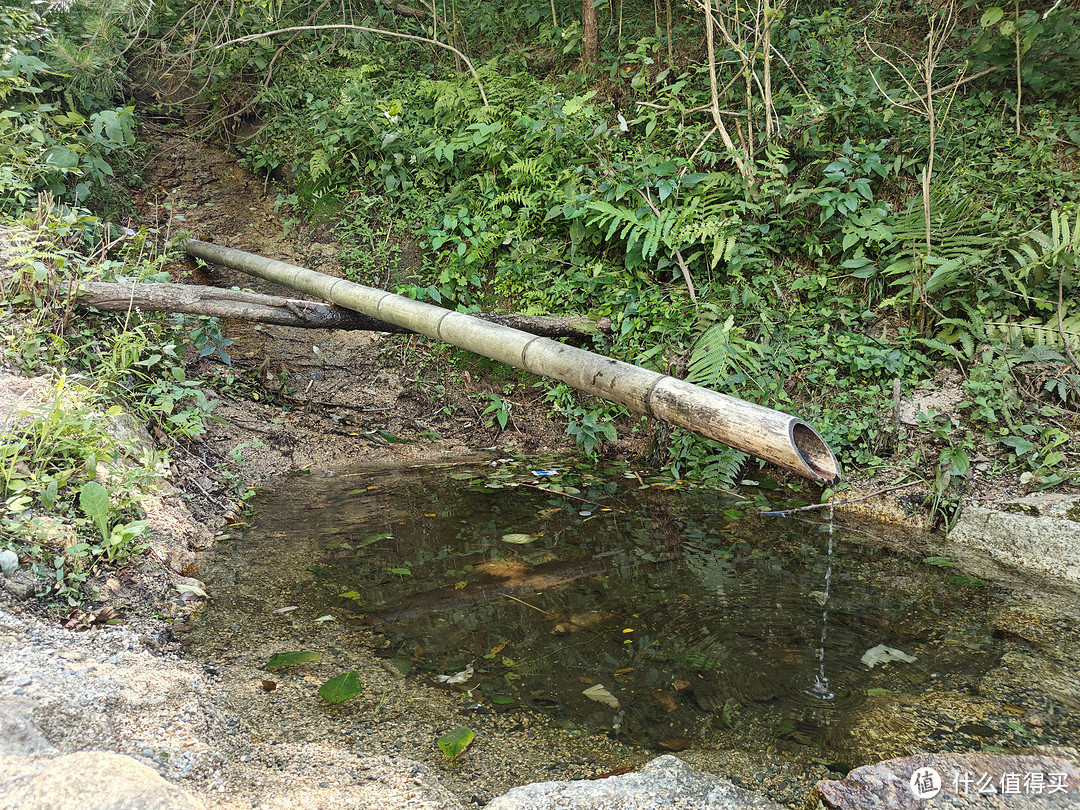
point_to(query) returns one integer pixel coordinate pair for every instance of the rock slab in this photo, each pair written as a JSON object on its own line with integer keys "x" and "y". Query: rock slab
{"x": 955, "y": 781}
{"x": 1047, "y": 544}
{"x": 666, "y": 782}
{"x": 89, "y": 780}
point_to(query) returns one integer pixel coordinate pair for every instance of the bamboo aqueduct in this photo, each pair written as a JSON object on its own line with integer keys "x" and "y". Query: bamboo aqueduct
{"x": 777, "y": 437}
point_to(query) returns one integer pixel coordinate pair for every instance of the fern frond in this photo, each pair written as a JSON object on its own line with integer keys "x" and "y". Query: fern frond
{"x": 1037, "y": 332}
{"x": 528, "y": 171}
{"x": 319, "y": 165}
{"x": 712, "y": 355}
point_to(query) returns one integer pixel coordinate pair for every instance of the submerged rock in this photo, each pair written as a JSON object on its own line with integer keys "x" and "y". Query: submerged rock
{"x": 665, "y": 782}
{"x": 956, "y": 781}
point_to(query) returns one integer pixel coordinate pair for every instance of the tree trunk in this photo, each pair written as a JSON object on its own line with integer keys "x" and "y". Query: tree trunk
{"x": 249, "y": 306}
{"x": 590, "y": 44}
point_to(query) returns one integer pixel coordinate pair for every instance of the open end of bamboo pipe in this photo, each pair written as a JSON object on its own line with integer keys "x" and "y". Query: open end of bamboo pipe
{"x": 814, "y": 452}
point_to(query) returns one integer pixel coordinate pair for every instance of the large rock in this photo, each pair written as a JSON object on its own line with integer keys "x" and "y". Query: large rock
{"x": 18, "y": 734}
{"x": 666, "y": 782}
{"x": 90, "y": 780}
{"x": 1027, "y": 542}
{"x": 983, "y": 781}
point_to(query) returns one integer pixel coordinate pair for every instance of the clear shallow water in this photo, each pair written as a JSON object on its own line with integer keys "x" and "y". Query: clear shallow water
{"x": 691, "y": 619}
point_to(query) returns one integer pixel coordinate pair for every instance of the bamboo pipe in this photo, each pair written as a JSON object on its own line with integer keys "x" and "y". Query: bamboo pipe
{"x": 777, "y": 437}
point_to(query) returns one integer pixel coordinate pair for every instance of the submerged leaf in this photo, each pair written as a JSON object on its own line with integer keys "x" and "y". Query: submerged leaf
{"x": 883, "y": 655}
{"x": 288, "y": 659}
{"x": 459, "y": 677}
{"x": 602, "y": 695}
{"x": 518, "y": 539}
{"x": 344, "y": 687}
{"x": 941, "y": 562}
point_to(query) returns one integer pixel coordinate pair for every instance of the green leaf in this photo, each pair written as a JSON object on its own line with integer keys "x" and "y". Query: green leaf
{"x": 453, "y": 743}
{"x": 404, "y": 572}
{"x": 967, "y": 581}
{"x": 289, "y": 659}
{"x": 940, "y": 562}
{"x": 94, "y": 500}
{"x": 877, "y": 691}
{"x": 1019, "y": 444}
{"x": 502, "y": 700}
{"x": 991, "y": 17}
{"x": 344, "y": 687}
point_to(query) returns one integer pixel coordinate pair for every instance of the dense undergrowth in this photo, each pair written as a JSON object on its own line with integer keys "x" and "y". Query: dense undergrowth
{"x": 817, "y": 208}
{"x": 898, "y": 195}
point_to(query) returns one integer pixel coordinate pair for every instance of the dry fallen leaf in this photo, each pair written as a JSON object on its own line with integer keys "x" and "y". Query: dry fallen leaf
{"x": 676, "y": 743}
{"x": 666, "y": 700}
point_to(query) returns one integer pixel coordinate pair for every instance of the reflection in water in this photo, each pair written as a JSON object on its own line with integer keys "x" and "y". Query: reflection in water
{"x": 702, "y": 619}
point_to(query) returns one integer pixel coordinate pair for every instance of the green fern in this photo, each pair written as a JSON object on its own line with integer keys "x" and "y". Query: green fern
{"x": 448, "y": 99}
{"x": 721, "y": 356}
{"x": 319, "y": 166}
{"x": 707, "y": 215}
{"x": 518, "y": 197}
{"x": 529, "y": 172}
{"x": 1035, "y": 331}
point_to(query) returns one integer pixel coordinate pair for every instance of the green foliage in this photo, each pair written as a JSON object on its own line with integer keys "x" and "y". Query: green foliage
{"x": 342, "y": 688}
{"x": 588, "y": 431}
{"x": 49, "y": 461}
{"x": 453, "y": 743}
{"x": 94, "y": 501}
{"x": 498, "y": 410}
{"x": 55, "y": 137}
{"x": 804, "y": 278}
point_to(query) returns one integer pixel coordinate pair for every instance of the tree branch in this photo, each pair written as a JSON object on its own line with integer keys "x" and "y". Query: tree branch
{"x": 192, "y": 299}
{"x": 380, "y": 31}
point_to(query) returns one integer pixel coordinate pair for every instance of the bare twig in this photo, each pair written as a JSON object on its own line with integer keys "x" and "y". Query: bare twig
{"x": 366, "y": 29}
{"x": 785, "y": 512}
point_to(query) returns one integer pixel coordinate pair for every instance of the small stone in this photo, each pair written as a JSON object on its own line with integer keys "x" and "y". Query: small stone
{"x": 9, "y": 561}
{"x": 24, "y": 681}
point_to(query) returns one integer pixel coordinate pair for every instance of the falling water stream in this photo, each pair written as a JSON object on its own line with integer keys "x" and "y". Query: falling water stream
{"x": 665, "y": 617}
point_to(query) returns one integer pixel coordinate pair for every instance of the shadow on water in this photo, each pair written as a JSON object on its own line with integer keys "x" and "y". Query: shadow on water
{"x": 673, "y": 618}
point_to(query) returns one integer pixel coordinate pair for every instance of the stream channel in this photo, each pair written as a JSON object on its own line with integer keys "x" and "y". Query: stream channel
{"x": 608, "y": 618}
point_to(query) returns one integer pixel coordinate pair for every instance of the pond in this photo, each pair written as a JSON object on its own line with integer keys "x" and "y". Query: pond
{"x": 665, "y": 618}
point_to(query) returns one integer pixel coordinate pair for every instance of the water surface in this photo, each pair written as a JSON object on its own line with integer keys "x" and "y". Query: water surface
{"x": 672, "y": 618}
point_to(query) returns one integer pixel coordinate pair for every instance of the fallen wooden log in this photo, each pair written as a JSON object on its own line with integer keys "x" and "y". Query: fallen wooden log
{"x": 769, "y": 434}
{"x": 191, "y": 299}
